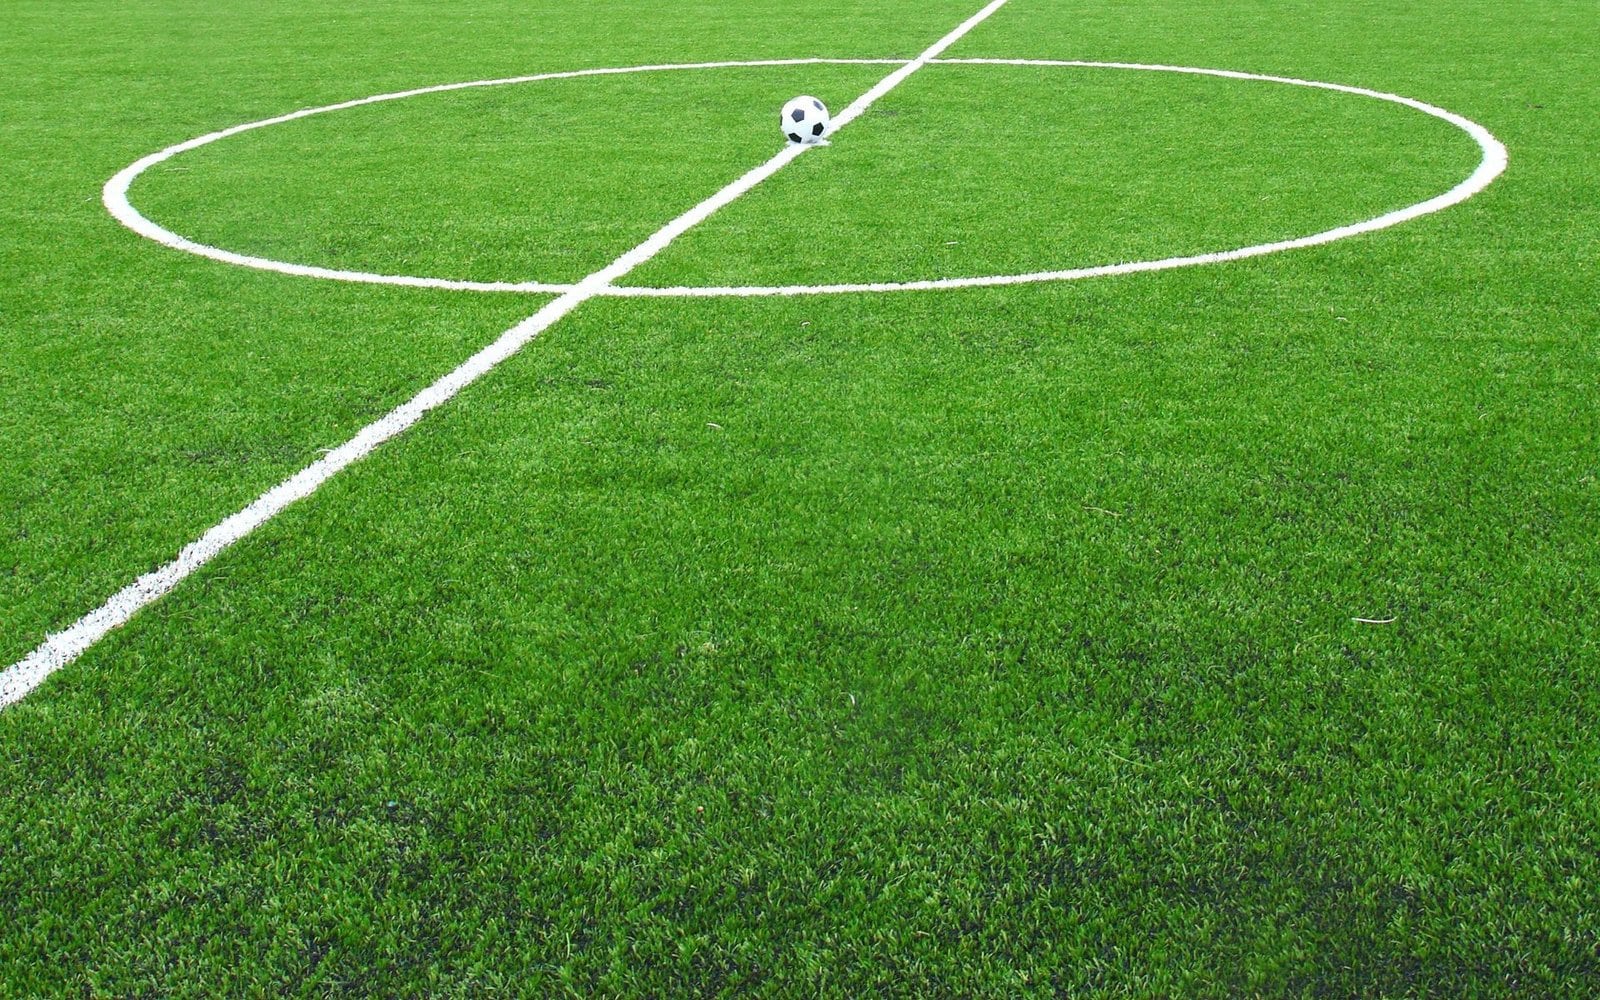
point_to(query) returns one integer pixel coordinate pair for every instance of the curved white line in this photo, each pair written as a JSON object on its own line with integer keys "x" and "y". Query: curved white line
{"x": 115, "y": 193}
{"x": 1492, "y": 165}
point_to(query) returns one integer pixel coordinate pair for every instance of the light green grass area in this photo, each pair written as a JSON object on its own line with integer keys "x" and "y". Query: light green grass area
{"x": 992, "y": 642}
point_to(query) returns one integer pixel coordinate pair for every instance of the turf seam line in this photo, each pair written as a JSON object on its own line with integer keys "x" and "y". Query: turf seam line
{"x": 63, "y": 647}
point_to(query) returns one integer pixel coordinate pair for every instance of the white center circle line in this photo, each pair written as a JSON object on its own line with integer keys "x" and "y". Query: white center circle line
{"x": 1492, "y": 164}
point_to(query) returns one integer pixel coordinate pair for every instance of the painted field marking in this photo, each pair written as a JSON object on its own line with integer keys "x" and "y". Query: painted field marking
{"x": 60, "y": 649}
{"x": 115, "y": 194}
{"x": 1490, "y": 166}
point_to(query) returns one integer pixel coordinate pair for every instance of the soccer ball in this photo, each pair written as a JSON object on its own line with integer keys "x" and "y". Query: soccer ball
{"x": 804, "y": 119}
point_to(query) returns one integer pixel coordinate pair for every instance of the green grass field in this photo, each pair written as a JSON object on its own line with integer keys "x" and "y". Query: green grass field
{"x": 997, "y": 641}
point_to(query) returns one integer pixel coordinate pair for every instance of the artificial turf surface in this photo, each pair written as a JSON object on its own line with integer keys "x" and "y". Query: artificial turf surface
{"x": 982, "y": 642}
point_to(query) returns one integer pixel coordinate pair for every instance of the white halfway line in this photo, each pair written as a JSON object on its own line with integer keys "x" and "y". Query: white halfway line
{"x": 65, "y": 646}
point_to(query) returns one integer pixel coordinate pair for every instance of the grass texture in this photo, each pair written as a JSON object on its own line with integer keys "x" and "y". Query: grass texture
{"x": 995, "y": 642}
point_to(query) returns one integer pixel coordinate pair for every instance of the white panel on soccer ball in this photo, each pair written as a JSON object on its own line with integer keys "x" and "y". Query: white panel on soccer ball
{"x": 804, "y": 120}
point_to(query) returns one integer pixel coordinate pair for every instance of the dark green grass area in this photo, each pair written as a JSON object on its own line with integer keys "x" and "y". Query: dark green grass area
{"x": 981, "y": 170}
{"x": 1047, "y": 682}
{"x": 987, "y": 643}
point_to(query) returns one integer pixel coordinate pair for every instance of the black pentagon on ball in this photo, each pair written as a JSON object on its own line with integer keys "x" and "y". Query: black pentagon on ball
{"x": 795, "y": 137}
{"x": 798, "y": 114}
{"x": 816, "y": 129}
{"x": 818, "y": 104}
